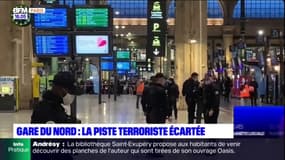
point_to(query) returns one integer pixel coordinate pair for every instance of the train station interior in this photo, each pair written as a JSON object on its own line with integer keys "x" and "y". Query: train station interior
{"x": 243, "y": 39}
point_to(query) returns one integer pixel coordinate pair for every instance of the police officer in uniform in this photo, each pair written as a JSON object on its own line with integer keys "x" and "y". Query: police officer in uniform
{"x": 211, "y": 95}
{"x": 191, "y": 92}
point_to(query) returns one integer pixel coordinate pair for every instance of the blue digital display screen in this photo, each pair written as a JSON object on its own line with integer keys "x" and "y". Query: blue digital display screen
{"x": 121, "y": 72}
{"x": 106, "y": 58}
{"x": 123, "y": 66}
{"x": 56, "y": 45}
{"x": 52, "y": 18}
{"x": 107, "y": 66}
{"x": 71, "y": 3}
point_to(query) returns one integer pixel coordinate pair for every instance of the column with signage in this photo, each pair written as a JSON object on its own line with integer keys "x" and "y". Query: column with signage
{"x": 157, "y": 27}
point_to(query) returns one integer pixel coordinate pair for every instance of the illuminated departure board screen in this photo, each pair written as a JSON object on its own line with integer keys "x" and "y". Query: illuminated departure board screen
{"x": 92, "y": 18}
{"x": 52, "y": 45}
{"x": 71, "y": 3}
{"x": 53, "y": 18}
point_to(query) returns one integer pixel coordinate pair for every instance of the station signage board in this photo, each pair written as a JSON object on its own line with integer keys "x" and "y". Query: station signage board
{"x": 157, "y": 27}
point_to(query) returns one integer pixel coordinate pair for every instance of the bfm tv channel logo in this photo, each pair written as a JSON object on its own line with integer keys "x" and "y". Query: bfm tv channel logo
{"x": 21, "y": 14}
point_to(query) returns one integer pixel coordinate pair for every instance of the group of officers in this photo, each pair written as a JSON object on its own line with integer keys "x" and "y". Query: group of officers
{"x": 160, "y": 95}
{"x": 158, "y": 99}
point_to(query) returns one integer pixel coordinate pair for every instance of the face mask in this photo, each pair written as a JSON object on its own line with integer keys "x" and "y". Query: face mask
{"x": 68, "y": 99}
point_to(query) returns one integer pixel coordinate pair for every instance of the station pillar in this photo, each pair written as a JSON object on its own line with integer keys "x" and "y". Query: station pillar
{"x": 190, "y": 42}
{"x": 16, "y": 52}
{"x": 228, "y": 39}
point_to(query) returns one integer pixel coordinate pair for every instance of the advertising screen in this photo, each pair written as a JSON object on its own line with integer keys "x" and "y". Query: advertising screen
{"x": 123, "y": 66}
{"x": 51, "y": 45}
{"x": 107, "y": 66}
{"x": 92, "y": 18}
{"x": 53, "y": 18}
{"x": 123, "y": 55}
{"x": 92, "y": 44}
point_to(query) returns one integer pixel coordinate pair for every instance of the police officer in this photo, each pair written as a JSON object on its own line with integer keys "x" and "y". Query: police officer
{"x": 191, "y": 92}
{"x": 50, "y": 108}
{"x": 154, "y": 100}
{"x": 211, "y": 97}
{"x": 173, "y": 94}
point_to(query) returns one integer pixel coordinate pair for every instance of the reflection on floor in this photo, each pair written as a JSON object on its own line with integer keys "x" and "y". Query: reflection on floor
{"x": 121, "y": 111}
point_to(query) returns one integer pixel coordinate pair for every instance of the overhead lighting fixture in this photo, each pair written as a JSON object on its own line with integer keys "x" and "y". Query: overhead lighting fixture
{"x": 123, "y": 27}
{"x": 260, "y": 32}
{"x": 87, "y": 59}
{"x": 192, "y": 41}
{"x": 117, "y": 35}
{"x": 117, "y": 13}
{"x": 117, "y": 27}
{"x": 277, "y": 68}
{"x": 132, "y": 42}
{"x": 122, "y": 35}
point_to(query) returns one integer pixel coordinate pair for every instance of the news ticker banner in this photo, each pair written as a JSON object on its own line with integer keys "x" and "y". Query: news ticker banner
{"x": 124, "y": 131}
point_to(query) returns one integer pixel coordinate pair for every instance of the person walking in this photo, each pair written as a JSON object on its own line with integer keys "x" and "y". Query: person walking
{"x": 139, "y": 91}
{"x": 173, "y": 94}
{"x": 244, "y": 93}
{"x": 50, "y": 109}
{"x": 154, "y": 100}
{"x": 227, "y": 84}
{"x": 253, "y": 86}
{"x": 191, "y": 92}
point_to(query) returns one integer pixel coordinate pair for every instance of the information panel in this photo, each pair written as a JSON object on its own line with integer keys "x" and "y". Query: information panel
{"x": 156, "y": 28}
{"x": 72, "y": 2}
{"x": 123, "y": 66}
{"x": 51, "y": 45}
{"x": 124, "y": 55}
{"x": 107, "y": 66}
{"x": 92, "y": 18}
{"x": 53, "y": 18}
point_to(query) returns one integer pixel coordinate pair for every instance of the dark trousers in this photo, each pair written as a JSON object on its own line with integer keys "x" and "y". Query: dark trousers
{"x": 200, "y": 111}
{"x": 191, "y": 110}
{"x": 253, "y": 100}
{"x": 138, "y": 100}
{"x": 173, "y": 107}
{"x": 227, "y": 97}
{"x": 213, "y": 118}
